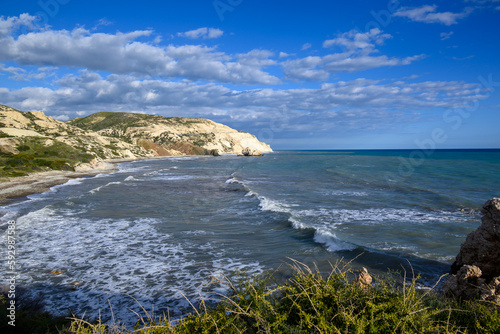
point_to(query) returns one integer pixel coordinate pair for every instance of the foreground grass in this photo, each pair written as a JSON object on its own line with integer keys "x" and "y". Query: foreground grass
{"x": 311, "y": 302}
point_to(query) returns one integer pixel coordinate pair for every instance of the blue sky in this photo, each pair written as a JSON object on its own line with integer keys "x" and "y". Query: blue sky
{"x": 299, "y": 75}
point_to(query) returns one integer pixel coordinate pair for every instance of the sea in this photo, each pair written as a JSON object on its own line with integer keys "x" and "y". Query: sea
{"x": 153, "y": 235}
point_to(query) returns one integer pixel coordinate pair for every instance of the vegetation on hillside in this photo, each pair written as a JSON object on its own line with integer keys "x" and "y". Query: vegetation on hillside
{"x": 124, "y": 120}
{"x": 312, "y": 302}
{"x": 116, "y": 124}
{"x": 41, "y": 154}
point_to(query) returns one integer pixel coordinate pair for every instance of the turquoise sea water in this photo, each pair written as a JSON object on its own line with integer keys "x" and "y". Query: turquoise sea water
{"x": 156, "y": 230}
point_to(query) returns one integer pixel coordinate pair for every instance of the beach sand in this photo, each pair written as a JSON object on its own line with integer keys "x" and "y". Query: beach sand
{"x": 15, "y": 187}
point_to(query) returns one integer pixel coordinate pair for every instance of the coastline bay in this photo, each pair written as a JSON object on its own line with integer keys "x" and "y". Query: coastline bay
{"x": 156, "y": 228}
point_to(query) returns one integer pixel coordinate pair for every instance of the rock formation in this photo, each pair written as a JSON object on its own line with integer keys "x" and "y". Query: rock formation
{"x": 174, "y": 134}
{"x": 476, "y": 270}
{"x": 32, "y": 141}
{"x": 364, "y": 278}
{"x": 248, "y": 152}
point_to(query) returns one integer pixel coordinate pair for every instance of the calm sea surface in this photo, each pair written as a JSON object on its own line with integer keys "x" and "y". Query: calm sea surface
{"x": 156, "y": 230}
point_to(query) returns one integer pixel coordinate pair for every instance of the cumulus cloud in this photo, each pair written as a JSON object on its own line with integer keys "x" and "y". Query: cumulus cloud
{"x": 428, "y": 14}
{"x": 306, "y": 46}
{"x": 354, "y": 40}
{"x": 205, "y": 33}
{"x": 10, "y": 24}
{"x": 11, "y": 69}
{"x": 123, "y": 53}
{"x": 284, "y": 55}
{"x": 89, "y": 92}
{"x": 133, "y": 72}
{"x": 356, "y": 54}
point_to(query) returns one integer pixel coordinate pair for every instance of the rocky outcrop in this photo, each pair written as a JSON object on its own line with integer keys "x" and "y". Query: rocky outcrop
{"x": 248, "y": 152}
{"x": 476, "y": 270}
{"x": 108, "y": 135}
{"x": 34, "y": 129}
{"x": 364, "y": 278}
{"x": 171, "y": 133}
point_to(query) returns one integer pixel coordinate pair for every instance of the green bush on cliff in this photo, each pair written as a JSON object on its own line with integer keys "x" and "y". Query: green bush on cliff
{"x": 311, "y": 302}
{"x": 40, "y": 154}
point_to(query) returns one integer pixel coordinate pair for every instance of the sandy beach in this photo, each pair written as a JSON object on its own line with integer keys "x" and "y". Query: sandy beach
{"x": 14, "y": 187}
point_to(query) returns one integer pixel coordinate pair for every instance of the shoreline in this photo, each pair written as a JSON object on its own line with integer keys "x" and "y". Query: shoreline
{"x": 14, "y": 188}
{"x": 17, "y": 187}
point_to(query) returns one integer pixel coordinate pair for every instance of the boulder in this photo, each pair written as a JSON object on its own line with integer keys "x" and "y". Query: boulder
{"x": 466, "y": 284}
{"x": 475, "y": 274}
{"x": 364, "y": 278}
{"x": 247, "y": 152}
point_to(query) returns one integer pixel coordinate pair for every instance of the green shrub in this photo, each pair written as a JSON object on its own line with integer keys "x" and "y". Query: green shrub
{"x": 15, "y": 162}
{"x": 312, "y": 302}
{"x": 23, "y": 148}
{"x": 50, "y": 153}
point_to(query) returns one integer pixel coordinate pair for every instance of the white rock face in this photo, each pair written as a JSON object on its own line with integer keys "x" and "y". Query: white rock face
{"x": 140, "y": 137}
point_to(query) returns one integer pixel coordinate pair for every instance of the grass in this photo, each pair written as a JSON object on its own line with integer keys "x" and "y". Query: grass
{"x": 314, "y": 302}
{"x": 34, "y": 155}
{"x": 122, "y": 120}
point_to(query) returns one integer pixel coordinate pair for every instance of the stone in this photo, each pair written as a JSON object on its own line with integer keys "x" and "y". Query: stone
{"x": 247, "y": 152}
{"x": 466, "y": 284}
{"x": 364, "y": 278}
{"x": 482, "y": 246}
{"x": 475, "y": 274}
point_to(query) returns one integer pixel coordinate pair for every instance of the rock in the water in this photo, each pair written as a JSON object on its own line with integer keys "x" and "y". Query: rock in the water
{"x": 476, "y": 270}
{"x": 247, "y": 152}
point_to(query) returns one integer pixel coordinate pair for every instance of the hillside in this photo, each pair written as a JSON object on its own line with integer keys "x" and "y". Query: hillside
{"x": 32, "y": 141}
{"x": 174, "y": 134}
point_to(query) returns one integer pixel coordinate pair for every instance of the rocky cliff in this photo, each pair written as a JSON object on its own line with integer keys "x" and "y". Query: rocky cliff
{"x": 476, "y": 270}
{"x": 174, "y": 134}
{"x": 32, "y": 141}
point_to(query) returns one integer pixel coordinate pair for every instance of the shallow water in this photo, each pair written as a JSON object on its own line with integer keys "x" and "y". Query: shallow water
{"x": 156, "y": 230}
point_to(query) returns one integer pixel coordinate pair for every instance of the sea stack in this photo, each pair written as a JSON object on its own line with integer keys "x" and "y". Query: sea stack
{"x": 476, "y": 270}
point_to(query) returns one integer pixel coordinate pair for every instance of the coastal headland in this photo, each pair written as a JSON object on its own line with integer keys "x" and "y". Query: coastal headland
{"x": 38, "y": 152}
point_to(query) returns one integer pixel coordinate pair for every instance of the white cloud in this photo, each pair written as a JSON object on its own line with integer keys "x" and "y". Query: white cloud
{"x": 356, "y": 55}
{"x": 463, "y": 58}
{"x": 10, "y": 24}
{"x": 428, "y": 14}
{"x": 11, "y": 69}
{"x": 90, "y": 92}
{"x": 205, "y": 33}
{"x": 354, "y": 40}
{"x": 21, "y": 74}
{"x": 446, "y": 35}
{"x": 306, "y": 69}
{"x": 62, "y": 118}
{"x": 122, "y": 53}
{"x": 102, "y": 22}
{"x": 306, "y": 46}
